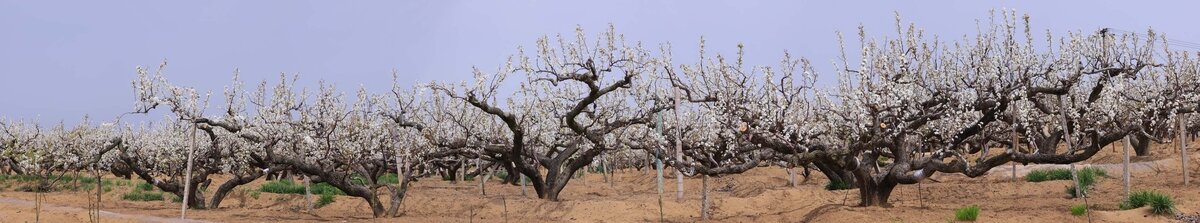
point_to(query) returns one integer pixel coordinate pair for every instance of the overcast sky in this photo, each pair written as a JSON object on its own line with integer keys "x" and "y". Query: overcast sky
{"x": 60, "y": 60}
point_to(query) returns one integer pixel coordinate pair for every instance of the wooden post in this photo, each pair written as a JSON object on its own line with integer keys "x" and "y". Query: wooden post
{"x": 401, "y": 165}
{"x": 611, "y": 176}
{"x": 462, "y": 170}
{"x": 649, "y": 163}
{"x": 1070, "y": 149}
{"x": 704, "y": 198}
{"x": 658, "y": 165}
{"x": 678, "y": 150}
{"x": 1125, "y": 165}
{"x": 1067, "y": 140}
{"x": 187, "y": 181}
{"x": 308, "y": 204}
{"x": 1183, "y": 148}
{"x": 920, "y": 198}
{"x": 1016, "y": 140}
{"x": 791, "y": 171}
{"x": 603, "y": 169}
{"x": 481, "y": 177}
{"x": 99, "y": 191}
{"x": 523, "y": 188}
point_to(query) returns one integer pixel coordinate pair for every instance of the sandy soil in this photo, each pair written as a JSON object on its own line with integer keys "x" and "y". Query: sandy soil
{"x": 760, "y": 195}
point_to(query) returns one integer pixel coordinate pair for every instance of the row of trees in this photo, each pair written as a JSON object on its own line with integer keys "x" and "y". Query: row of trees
{"x": 909, "y": 107}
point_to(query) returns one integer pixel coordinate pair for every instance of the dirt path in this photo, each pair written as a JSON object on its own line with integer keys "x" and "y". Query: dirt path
{"x": 50, "y": 209}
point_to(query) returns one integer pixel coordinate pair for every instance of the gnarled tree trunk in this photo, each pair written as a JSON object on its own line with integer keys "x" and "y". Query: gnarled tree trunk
{"x": 228, "y": 186}
{"x": 872, "y": 193}
{"x": 1141, "y": 144}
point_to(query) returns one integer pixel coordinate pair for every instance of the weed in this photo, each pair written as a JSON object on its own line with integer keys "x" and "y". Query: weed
{"x": 287, "y": 187}
{"x": 837, "y": 185}
{"x": 1079, "y": 209}
{"x": 142, "y": 196}
{"x": 1159, "y": 203}
{"x": 969, "y": 213}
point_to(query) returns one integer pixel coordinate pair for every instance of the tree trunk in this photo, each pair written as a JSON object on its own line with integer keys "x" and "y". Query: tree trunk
{"x": 806, "y": 173}
{"x": 172, "y": 187}
{"x": 121, "y": 170}
{"x": 452, "y": 173}
{"x": 338, "y": 180}
{"x": 1048, "y": 145}
{"x": 363, "y": 192}
{"x": 377, "y": 209}
{"x": 555, "y": 182}
{"x": 1141, "y": 145}
{"x": 398, "y": 195}
{"x": 228, "y": 186}
{"x": 194, "y": 199}
{"x": 835, "y": 173}
{"x": 513, "y": 176}
{"x": 875, "y": 193}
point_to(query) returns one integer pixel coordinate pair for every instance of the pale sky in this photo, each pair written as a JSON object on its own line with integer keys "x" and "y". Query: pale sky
{"x": 60, "y": 60}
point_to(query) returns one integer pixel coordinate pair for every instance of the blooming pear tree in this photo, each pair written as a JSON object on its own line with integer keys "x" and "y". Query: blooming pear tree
{"x": 575, "y": 104}
{"x": 28, "y": 149}
{"x": 232, "y": 143}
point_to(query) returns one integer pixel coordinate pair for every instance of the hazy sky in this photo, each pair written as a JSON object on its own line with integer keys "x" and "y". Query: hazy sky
{"x": 60, "y": 60}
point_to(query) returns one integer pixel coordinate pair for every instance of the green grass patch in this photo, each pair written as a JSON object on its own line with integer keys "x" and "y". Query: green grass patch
{"x": 1087, "y": 178}
{"x": 63, "y": 178}
{"x": 143, "y": 186}
{"x": 325, "y": 199}
{"x": 143, "y": 192}
{"x": 1159, "y": 203}
{"x": 105, "y": 187}
{"x": 64, "y": 182}
{"x": 969, "y": 213}
{"x": 502, "y": 174}
{"x": 142, "y": 196}
{"x": 19, "y": 178}
{"x": 288, "y": 187}
{"x": 837, "y": 185}
{"x": 1041, "y": 175}
{"x": 466, "y": 178}
{"x": 597, "y": 169}
{"x": 28, "y": 188}
{"x": 123, "y": 182}
{"x": 1079, "y": 209}
{"x": 389, "y": 178}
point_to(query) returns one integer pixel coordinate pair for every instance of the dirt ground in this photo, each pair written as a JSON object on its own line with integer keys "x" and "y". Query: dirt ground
{"x": 760, "y": 195}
